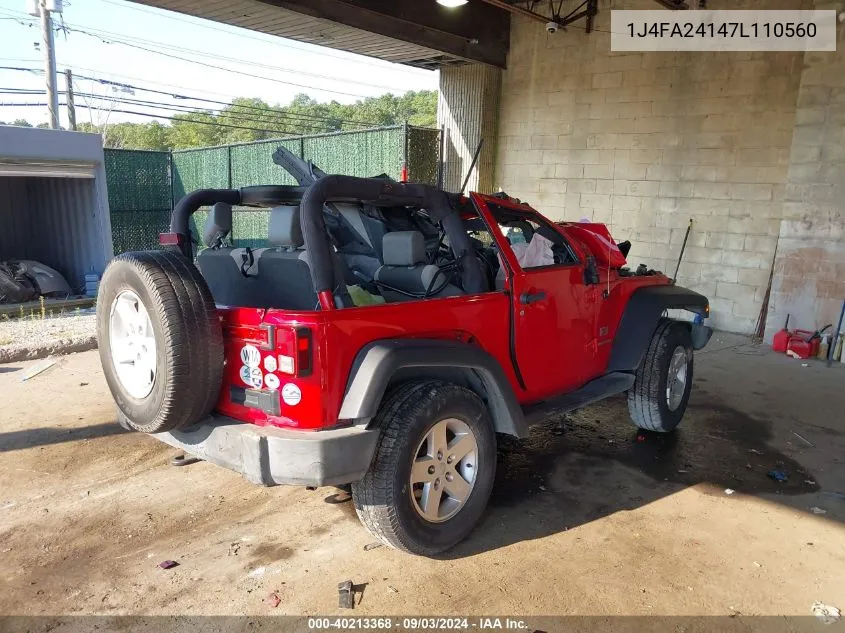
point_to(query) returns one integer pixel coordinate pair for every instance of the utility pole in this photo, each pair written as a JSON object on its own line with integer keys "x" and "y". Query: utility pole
{"x": 49, "y": 62}
{"x": 71, "y": 109}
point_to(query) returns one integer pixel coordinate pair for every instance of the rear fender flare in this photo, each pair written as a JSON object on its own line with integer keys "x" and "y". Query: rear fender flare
{"x": 380, "y": 363}
{"x": 644, "y": 310}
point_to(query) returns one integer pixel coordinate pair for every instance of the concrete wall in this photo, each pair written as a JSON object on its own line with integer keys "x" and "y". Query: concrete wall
{"x": 467, "y": 110}
{"x": 809, "y": 275}
{"x": 648, "y": 141}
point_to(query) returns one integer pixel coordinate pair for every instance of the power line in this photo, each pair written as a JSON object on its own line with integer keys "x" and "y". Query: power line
{"x": 108, "y": 37}
{"x": 147, "y": 114}
{"x": 232, "y": 105}
{"x": 190, "y": 110}
{"x": 236, "y": 60}
{"x": 373, "y": 62}
{"x": 268, "y": 111}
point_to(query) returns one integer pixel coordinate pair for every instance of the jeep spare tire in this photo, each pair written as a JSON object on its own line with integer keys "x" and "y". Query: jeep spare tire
{"x": 160, "y": 340}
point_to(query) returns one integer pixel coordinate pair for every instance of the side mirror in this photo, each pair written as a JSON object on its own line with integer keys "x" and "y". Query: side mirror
{"x": 591, "y": 272}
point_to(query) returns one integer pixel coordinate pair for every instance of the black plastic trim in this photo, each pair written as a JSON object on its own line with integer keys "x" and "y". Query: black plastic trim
{"x": 640, "y": 318}
{"x": 378, "y": 362}
{"x": 266, "y": 401}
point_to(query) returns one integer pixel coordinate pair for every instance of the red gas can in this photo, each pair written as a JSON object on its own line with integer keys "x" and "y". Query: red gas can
{"x": 781, "y": 339}
{"x": 803, "y": 343}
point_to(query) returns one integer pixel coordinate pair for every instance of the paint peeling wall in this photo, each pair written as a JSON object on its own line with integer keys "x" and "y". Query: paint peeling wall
{"x": 809, "y": 275}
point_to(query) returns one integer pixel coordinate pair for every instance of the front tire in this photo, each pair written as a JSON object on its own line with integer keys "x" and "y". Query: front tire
{"x": 659, "y": 397}
{"x": 433, "y": 470}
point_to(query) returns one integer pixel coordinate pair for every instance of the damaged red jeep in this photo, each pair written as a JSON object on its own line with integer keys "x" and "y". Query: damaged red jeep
{"x": 383, "y": 338}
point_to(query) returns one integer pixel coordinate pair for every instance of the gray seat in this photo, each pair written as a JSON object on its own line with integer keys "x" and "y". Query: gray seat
{"x": 283, "y": 268}
{"x": 405, "y": 275}
{"x": 223, "y": 267}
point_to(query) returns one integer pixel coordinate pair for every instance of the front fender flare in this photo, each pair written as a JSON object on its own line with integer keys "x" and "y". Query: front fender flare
{"x": 644, "y": 310}
{"x": 377, "y": 363}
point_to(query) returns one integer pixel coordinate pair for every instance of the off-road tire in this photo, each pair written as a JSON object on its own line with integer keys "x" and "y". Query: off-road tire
{"x": 383, "y": 497}
{"x": 188, "y": 337}
{"x": 647, "y": 400}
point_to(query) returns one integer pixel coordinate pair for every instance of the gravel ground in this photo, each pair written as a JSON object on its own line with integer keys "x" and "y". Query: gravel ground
{"x": 29, "y": 338}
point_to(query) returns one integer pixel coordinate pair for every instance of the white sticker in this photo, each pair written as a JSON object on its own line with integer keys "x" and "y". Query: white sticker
{"x": 257, "y": 377}
{"x": 270, "y": 364}
{"x": 246, "y": 375}
{"x": 250, "y": 356}
{"x": 291, "y": 394}
{"x": 272, "y": 381}
{"x": 286, "y": 364}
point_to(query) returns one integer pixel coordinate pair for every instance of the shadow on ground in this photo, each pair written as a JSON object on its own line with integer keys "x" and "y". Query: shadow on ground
{"x": 567, "y": 472}
{"x": 28, "y": 438}
{"x": 8, "y": 370}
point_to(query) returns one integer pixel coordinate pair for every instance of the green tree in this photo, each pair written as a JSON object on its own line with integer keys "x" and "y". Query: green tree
{"x": 253, "y": 119}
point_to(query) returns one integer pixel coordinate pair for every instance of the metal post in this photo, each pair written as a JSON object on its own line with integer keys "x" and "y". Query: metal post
{"x": 71, "y": 109}
{"x": 441, "y": 158}
{"x": 50, "y": 65}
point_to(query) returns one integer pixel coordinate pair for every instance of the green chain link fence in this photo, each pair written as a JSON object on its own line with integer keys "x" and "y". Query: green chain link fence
{"x": 143, "y": 185}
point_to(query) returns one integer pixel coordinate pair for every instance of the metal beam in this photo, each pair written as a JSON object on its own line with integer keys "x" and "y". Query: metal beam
{"x": 473, "y": 32}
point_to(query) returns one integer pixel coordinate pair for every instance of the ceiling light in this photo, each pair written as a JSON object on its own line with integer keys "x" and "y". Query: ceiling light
{"x": 452, "y": 3}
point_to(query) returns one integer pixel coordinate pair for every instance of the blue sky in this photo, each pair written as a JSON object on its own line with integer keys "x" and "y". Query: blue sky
{"x": 322, "y": 73}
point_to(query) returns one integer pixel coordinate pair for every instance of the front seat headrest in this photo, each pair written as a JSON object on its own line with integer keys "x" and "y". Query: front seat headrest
{"x": 403, "y": 248}
{"x": 284, "y": 228}
{"x": 218, "y": 225}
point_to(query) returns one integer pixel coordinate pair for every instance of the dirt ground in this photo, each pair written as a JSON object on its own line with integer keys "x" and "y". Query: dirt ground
{"x": 587, "y": 516}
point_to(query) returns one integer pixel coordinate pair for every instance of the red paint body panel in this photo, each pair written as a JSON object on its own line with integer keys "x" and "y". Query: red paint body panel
{"x": 560, "y": 342}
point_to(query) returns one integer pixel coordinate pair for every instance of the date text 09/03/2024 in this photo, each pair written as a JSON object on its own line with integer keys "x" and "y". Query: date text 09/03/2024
{"x": 724, "y": 29}
{"x": 417, "y": 623}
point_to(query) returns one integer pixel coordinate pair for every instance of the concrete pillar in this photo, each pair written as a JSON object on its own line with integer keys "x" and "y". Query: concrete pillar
{"x": 467, "y": 110}
{"x": 808, "y": 281}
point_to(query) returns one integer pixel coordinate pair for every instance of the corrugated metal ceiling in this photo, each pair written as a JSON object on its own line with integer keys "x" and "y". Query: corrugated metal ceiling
{"x": 257, "y": 16}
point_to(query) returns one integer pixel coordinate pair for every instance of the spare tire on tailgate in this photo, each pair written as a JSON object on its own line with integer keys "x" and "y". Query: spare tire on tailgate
{"x": 160, "y": 339}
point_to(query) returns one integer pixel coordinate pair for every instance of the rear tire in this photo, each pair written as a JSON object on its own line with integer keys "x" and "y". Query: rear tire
{"x": 428, "y": 518}
{"x": 160, "y": 340}
{"x": 659, "y": 397}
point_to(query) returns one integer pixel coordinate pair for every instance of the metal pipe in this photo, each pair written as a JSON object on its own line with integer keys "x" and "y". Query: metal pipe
{"x": 518, "y": 10}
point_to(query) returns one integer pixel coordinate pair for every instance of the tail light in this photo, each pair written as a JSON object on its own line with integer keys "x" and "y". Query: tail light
{"x": 294, "y": 348}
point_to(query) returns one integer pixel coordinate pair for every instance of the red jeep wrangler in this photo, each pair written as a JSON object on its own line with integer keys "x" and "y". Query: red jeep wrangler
{"x": 383, "y": 339}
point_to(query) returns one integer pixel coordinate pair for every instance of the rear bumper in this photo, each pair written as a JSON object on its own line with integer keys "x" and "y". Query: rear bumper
{"x": 271, "y": 456}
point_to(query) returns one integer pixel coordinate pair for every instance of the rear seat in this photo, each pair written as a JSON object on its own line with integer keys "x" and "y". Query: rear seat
{"x": 282, "y": 269}
{"x": 220, "y": 264}
{"x": 276, "y": 277}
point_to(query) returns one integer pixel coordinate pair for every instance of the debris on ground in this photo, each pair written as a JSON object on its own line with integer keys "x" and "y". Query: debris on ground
{"x": 168, "y": 564}
{"x": 542, "y": 488}
{"x": 641, "y": 437}
{"x": 234, "y": 548}
{"x": 809, "y": 482}
{"x": 83, "y": 384}
{"x": 39, "y": 368}
{"x": 755, "y": 451}
{"x": 345, "y": 595}
{"x": 272, "y": 600}
{"x": 825, "y": 612}
{"x": 817, "y": 510}
{"x": 756, "y": 564}
{"x": 370, "y": 546}
{"x": 803, "y": 439}
{"x": 392, "y": 588}
{"x": 729, "y": 491}
{"x": 258, "y": 572}
{"x": 778, "y": 475}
